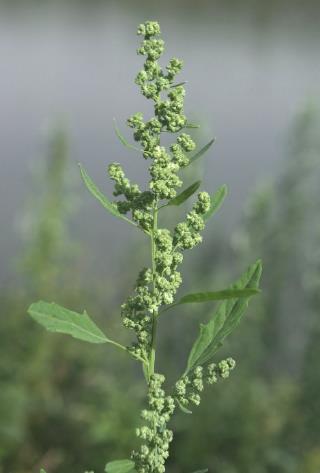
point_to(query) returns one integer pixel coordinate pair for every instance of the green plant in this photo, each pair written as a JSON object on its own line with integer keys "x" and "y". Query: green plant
{"x": 156, "y": 287}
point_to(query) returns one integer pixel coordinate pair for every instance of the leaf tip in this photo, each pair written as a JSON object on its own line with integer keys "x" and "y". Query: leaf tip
{"x": 224, "y": 188}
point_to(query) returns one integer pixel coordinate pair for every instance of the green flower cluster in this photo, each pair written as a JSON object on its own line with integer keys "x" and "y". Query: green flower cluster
{"x": 188, "y": 388}
{"x": 139, "y": 203}
{"x": 155, "y": 436}
{"x": 152, "y": 290}
{"x": 169, "y": 116}
{"x": 186, "y": 234}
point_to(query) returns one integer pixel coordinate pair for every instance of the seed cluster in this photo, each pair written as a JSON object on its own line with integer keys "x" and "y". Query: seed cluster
{"x": 189, "y": 388}
{"x": 155, "y": 436}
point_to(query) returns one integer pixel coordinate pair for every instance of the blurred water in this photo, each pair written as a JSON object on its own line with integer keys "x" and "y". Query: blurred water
{"x": 248, "y": 75}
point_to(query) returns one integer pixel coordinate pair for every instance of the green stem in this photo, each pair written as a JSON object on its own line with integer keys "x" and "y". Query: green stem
{"x": 155, "y": 312}
{"x": 122, "y": 347}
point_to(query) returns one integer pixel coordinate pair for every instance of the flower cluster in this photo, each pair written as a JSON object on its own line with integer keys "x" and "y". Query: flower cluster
{"x": 189, "y": 388}
{"x": 155, "y": 436}
{"x": 186, "y": 234}
{"x": 152, "y": 291}
{"x": 167, "y": 279}
{"x": 139, "y": 203}
{"x": 136, "y": 314}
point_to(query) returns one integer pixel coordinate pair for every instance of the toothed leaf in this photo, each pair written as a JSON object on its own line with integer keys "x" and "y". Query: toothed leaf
{"x": 58, "y": 319}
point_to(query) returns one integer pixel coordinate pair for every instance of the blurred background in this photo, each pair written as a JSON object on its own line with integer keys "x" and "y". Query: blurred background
{"x": 253, "y": 72}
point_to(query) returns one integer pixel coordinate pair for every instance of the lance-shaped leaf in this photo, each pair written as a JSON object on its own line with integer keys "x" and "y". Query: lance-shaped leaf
{"x": 95, "y": 191}
{"x": 216, "y": 201}
{"x": 201, "y": 152}
{"x": 58, "y": 319}
{"x": 122, "y": 138}
{"x": 120, "y": 466}
{"x": 183, "y": 408}
{"x": 225, "y": 294}
{"x": 197, "y": 297}
{"x": 224, "y": 320}
{"x": 184, "y": 195}
{"x": 178, "y": 84}
{"x": 191, "y": 125}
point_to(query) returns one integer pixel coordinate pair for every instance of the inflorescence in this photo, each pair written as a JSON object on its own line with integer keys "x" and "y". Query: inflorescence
{"x": 158, "y": 285}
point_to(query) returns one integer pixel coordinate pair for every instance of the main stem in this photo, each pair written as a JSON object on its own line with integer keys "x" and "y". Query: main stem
{"x": 155, "y": 311}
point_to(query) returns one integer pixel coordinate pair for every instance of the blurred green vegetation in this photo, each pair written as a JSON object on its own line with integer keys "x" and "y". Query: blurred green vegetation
{"x": 64, "y": 406}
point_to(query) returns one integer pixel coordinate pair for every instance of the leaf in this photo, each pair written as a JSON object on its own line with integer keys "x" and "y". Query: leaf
{"x": 183, "y": 408}
{"x": 224, "y": 320}
{"x": 201, "y": 471}
{"x": 217, "y": 295}
{"x": 201, "y": 152}
{"x": 184, "y": 195}
{"x": 93, "y": 189}
{"x": 198, "y": 297}
{"x": 191, "y": 125}
{"x": 120, "y": 466}
{"x": 178, "y": 84}
{"x": 58, "y": 319}
{"x": 216, "y": 201}
{"x": 42, "y": 470}
{"x": 122, "y": 138}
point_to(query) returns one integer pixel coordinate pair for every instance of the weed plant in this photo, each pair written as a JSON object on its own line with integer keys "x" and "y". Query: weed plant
{"x": 154, "y": 293}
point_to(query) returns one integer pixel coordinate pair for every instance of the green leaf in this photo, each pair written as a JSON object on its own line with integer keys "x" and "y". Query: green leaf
{"x": 191, "y": 125}
{"x": 224, "y": 320}
{"x": 184, "y": 195}
{"x": 225, "y": 294}
{"x": 217, "y": 295}
{"x": 58, "y": 319}
{"x": 178, "y": 84}
{"x": 216, "y": 201}
{"x": 42, "y": 470}
{"x": 93, "y": 189}
{"x": 122, "y": 138}
{"x": 183, "y": 408}
{"x": 201, "y": 471}
{"x": 201, "y": 152}
{"x": 120, "y": 466}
